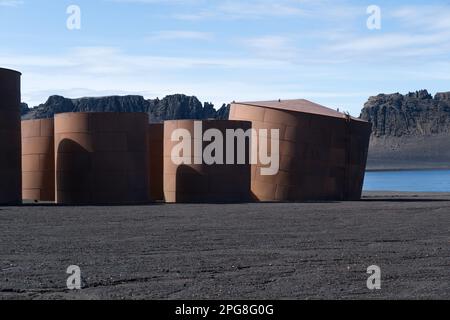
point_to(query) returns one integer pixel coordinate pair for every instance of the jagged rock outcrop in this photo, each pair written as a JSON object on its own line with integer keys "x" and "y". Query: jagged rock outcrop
{"x": 172, "y": 107}
{"x": 224, "y": 112}
{"x": 179, "y": 106}
{"x": 24, "y": 109}
{"x": 409, "y": 131}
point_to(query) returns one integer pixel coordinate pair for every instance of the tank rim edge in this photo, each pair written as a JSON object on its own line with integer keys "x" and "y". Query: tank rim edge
{"x": 10, "y": 70}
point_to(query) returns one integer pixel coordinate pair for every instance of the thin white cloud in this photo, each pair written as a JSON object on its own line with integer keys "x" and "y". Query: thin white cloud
{"x": 107, "y": 70}
{"x": 260, "y": 8}
{"x": 104, "y": 69}
{"x": 415, "y": 32}
{"x": 11, "y": 3}
{"x": 273, "y": 47}
{"x": 325, "y": 10}
{"x": 252, "y": 9}
{"x": 423, "y": 34}
{"x": 194, "y": 16}
{"x": 180, "y": 35}
{"x": 111, "y": 60}
{"x": 394, "y": 43}
{"x": 167, "y": 2}
{"x": 427, "y": 17}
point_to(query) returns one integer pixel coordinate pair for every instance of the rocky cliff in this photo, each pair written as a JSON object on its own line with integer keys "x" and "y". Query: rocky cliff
{"x": 172, "y": 107}
{"x": 24, "y": 109}
{"x": 409, "y": 131}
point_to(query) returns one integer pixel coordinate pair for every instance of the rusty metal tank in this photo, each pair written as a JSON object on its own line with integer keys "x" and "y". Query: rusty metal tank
{"x": 38, "y": 160}
{"x": 322, "y": 152}
{"x": 156, "y": 151}
{"x": 102, "y": 158}
{"x": 10, "y": 146}
{"x": 195, "y": 181}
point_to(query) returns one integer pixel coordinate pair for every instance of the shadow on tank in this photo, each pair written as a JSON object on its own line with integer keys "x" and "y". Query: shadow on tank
{"x": 73, "y": 174}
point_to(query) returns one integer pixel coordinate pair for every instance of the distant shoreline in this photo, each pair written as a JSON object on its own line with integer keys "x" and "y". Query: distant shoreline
{"x": 384, "y": 194}
{"x": 407, "y": 169}
{"x": 426, "y": 181}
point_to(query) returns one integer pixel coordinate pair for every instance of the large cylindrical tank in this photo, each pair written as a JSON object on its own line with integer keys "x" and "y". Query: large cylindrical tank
{"x": 156, "y": 150}
{"x": 102, "y": 158}
{"x": 10, "y": 146}
{"x": 38, "y": 160}
{"x": 322, "y": 153}
{"x": 195, "y": 180}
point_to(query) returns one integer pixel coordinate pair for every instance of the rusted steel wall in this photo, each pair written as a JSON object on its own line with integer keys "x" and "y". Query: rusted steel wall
{"x": 321, "y": 157}
{"x": 38, "y": 160}
{"x": 10, "y": 146}
{"x": 357, "y": 153}
{"x": 156, "y": 150}
{"x": 202, "y": 183}
{"x": 102, "y": 158}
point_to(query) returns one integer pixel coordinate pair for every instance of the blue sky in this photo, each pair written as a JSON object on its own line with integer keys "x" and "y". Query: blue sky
{"x": 227, "y": 50}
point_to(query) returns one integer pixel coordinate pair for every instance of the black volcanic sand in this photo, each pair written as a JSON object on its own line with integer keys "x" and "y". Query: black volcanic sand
{"x": 246, "y": 251}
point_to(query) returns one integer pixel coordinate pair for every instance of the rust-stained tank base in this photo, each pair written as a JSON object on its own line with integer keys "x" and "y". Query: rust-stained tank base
{"x": 102, "y": 158}
{"x": 38, "y": 160}
{"x": 10, "y": 146}
{"x": 198, "y": 182}
{"x": 323, "y": 153}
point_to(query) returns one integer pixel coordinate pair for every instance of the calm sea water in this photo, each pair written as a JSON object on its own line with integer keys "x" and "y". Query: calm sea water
{"x": 408, "y": 181}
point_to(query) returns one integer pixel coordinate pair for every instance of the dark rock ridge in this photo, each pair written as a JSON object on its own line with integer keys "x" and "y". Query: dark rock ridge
{"x": 172, "y": 107}
{"x": 410, "y": 131}
{"x": 24, "y": 109}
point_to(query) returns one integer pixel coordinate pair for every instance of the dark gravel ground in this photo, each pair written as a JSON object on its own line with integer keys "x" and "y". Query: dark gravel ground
{"x": 243, "y": 251}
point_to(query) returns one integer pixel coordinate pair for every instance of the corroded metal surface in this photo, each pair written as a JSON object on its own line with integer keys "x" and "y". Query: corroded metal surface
{"x": 198, "y": 181}
{"x": 156, "y": 151}
{"x": 38, "y": 160}
{"x": 323, "y": 153}
{"x": 101, "y": 158}
{"x": 10, "y": 146}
